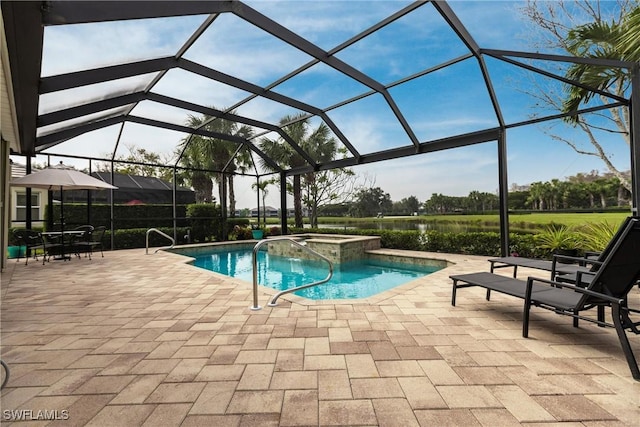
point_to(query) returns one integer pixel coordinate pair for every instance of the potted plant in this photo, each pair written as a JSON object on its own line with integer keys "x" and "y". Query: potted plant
{"x": 257, "y": 232}
{"x": 15, "y": 248}
{"x": 558, "y": 240}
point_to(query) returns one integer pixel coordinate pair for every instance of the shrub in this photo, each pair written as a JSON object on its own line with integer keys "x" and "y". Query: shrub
{"x": 556, "y": 238}
{"x": 240, "y": 233}
{"x": 136, "y": 238}
{"x": 408, "y": 240}
{"x": 274, "y": 231}
{"x": 204, "y": 219}
{"x": 525, "y": 245}
{"x": 596, "y": 236}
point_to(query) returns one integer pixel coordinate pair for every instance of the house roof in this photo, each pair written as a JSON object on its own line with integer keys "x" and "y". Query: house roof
{"x": 268, "y": 208}
{"x": 128, "y": 182}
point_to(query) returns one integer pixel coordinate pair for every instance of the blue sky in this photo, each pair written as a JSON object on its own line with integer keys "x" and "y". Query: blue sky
{"x": 447, "y": 102}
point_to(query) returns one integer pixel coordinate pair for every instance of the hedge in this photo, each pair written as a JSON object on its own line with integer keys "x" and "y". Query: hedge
{"x": 470, "y": 243}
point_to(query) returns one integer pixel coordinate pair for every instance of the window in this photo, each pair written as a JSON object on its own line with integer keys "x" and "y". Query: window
{"x": 21, "y": 207}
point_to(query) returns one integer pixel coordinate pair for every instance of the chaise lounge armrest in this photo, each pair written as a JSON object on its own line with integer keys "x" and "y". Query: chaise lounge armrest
{"x": 553, "y": 285}
{"x": 581, "y": 260}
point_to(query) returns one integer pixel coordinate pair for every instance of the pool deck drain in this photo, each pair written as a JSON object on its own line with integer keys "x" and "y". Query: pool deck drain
{"x": 134, "y": 339}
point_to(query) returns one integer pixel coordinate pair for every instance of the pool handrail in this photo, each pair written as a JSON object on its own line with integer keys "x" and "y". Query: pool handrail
{"x": 173, "y": 242}
{"x": 273, "y": 302}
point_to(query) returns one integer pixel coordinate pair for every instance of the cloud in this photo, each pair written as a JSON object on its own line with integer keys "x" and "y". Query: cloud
{"x": 75, "y": 47}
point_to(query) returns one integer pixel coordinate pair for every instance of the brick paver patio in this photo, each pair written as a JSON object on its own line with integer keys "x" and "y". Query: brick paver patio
{"x": 147, "y": 340}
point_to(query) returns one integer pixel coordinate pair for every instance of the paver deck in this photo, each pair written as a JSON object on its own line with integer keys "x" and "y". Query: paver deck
{"x": 148, "y": 340}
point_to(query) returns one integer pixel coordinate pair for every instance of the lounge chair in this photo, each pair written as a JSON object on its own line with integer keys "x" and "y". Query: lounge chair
{"x": 618, "y": 274}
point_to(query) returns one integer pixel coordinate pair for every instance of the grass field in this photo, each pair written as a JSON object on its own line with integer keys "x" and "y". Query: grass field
{"x": 541, "y": 218}
{"x": 535, "y": 220}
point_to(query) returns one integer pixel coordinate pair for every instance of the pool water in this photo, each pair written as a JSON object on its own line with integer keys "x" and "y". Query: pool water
{"x": 358, "y": 279}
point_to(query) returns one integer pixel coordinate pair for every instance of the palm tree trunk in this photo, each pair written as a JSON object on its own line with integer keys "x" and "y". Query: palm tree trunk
{"x": 202, "y": 186}
{"x": 232, "y": 198}
{"x": 221, "y": 188}
{"x": 297, "y": 201}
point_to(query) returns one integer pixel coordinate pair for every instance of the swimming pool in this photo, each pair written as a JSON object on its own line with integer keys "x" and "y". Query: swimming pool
{"x": 355, "y": 279}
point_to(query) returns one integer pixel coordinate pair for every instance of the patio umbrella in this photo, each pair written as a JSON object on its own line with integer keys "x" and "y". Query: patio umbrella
{"x": 61, "y": 177}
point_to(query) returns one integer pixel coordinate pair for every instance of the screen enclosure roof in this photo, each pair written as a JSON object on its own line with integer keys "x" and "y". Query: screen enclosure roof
{"x": 388, "y": 79}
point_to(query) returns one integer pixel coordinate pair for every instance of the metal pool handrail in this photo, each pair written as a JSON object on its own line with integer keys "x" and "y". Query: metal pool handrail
{"x": 273, "y": 303}
{"x": 173, "y": 242}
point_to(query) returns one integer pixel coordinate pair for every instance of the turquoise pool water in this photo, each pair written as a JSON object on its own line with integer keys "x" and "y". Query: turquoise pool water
{"x": 360, "y": 279}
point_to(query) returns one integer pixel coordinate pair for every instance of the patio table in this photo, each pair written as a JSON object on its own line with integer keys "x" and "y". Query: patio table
{"x": 62, "y": 235}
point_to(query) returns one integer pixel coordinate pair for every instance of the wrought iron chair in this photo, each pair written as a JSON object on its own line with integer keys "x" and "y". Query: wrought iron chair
{"x": 79, "y": 244}
{"x": 93, "y": 242}
{"x": 34, "y": 243}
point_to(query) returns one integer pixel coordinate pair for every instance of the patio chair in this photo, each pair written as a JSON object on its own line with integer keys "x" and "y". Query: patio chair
{"x": 93, "y": 241}
{"x": 79, "y": 243}
{"x": 618, "y": 274}
{"x": 34, "y": 242}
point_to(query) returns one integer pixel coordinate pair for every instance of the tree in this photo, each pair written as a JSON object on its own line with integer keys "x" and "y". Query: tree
{"x": 370, "y": 202}
{"x": 628, "y": 41}
{"x": 335, "y": 186}
{"x": 611, "y": 37}
{"x": 517, "y": 199}
{"x": 328, "y": 187}
{"x": 320, "y": 146}
{"x": 408, "y": 205}
{"x": 140, "y": 162}
{"x": 261, "y": 185}
{"x": 207, "y": 157}
{"x": 194, "y": 157}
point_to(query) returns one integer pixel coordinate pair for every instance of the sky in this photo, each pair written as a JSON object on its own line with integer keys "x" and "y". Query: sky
{"x": 447, "y": 102}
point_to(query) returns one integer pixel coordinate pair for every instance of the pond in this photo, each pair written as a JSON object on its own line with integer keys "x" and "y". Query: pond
{"x": 444, "y": 226}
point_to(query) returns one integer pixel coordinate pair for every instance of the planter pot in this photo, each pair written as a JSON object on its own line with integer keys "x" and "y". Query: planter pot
{"x": 16, "y": 251}
{"x": 257, "y": 234}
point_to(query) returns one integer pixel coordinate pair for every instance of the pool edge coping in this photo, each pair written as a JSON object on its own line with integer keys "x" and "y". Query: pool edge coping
{"x": 374, "y": 299}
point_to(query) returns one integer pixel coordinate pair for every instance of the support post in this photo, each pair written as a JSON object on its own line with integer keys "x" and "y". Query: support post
{"x": 258, "y": 203}
{"x": 634, "y": 138}
{"x": 503, "y": 189}
{"x": 283, "y": 203}
{"x": 174, "y": 197}
{"x": 89, "y": 198}
{"x": 223, "y": 207}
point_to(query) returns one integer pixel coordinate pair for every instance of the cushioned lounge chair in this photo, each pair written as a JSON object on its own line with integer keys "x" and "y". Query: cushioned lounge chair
{"x": 618, "y": 274}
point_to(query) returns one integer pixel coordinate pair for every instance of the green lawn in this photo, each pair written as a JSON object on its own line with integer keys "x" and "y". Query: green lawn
{"x": 540, "y": 218}
{"x": 536, "y": 220}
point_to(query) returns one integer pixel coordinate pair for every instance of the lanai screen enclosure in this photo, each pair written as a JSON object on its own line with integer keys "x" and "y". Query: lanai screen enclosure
{"x": 64, "y": 106}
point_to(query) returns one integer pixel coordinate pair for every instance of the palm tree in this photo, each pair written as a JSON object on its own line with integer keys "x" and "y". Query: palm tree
{"x": 195, "y": 158}
{"x": 262, "y": 186}
{"x": 318, "y": 144}
{"x": 322, "y": 147}
{"x": 603, "y": 40}
{"x": 213, "y": 154}
{"x": 628, "y": 41}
